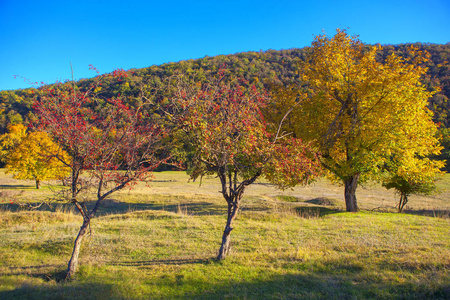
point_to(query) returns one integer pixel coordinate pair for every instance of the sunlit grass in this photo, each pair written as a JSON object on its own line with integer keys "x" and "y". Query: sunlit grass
{"x": 160, "y": 243}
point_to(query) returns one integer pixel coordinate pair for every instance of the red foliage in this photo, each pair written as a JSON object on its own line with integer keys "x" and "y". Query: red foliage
{"x": 113, "y": 142}
{"x": 229, "y": 138}
{"x": 227, "y": 128}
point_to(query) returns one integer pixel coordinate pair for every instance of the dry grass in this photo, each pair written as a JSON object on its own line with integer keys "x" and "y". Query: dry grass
{"x": 169, "y": 186}
{"x": 159, "y": 243}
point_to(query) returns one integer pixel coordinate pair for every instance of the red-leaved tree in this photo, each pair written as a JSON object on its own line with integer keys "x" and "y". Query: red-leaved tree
{"x": 111, "y": 145}
{"x": 228, "y": 137}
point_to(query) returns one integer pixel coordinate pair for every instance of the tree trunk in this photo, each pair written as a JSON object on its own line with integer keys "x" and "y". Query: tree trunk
{"x": 225, "y": 247}
{"x": 350, "y": 193}
{"x": 226, "y": 243}
{"x": 73, "y": 263}
{"x": 38, "y": 184}
{"x": 403, "y": 201}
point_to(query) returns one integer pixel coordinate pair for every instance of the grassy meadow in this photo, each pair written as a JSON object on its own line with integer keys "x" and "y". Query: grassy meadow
{"x": 160, "y": 242}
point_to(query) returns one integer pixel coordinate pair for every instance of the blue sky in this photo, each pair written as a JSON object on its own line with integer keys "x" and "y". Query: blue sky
{"x": 39, "y": 39}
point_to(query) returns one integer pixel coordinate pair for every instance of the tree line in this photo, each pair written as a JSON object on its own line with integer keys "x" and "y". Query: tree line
{"x": 262, "y": 69}
{"x": 259, "y": 68}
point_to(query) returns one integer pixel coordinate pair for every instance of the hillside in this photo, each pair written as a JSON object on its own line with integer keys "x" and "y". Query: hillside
{"x": 259, "y": 68}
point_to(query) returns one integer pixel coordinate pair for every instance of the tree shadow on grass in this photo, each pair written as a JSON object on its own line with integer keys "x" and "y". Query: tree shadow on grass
{"x": 197, "y": 208}
{"x": 326, "y": 201}
{"x": 268, "y": 184}
{"x": 159, "y": 262}
{"x": 46, "y": 272}
{"x": 318, "y": 286}
{"x": 309, "y": 212}
{"x": 204, "y": 208}
{"x": 17, "y": 187}
{"x": 303, "y": 285}
{"x": 112, "y": 207}
{"x": 333, "y": 279}
{"x": 437, "y": 213}
{"x": 73, "y": 290}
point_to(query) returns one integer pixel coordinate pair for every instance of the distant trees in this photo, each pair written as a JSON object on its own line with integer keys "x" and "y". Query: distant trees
{"x": 37, "y": 157}
{"x": 15, "y": 107}
{"x": 110, "y": 147}
{"x": 32, "y": 155}
{"x": 227, "y": 137}
{"x": 358, "y": 110}
{"x": 261, "y": 68}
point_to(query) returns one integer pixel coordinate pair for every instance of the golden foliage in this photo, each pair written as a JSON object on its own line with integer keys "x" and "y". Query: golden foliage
{"x": 11, "y": 139}
{"x": 361, "y": 110}
{"x": 34, "y": 156}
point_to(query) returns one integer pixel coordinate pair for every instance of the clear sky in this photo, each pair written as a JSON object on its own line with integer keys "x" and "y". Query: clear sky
{"x": 39, "y": 39}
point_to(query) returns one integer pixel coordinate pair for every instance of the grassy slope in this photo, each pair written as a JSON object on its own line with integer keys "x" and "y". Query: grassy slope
{"x": 159, "y": 243}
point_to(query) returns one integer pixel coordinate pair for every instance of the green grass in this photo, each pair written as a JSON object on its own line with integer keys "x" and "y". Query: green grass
{"x": 160, "y": 243}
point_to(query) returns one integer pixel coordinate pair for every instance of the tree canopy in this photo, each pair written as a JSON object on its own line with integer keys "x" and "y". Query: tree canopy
{"x": 10, "y": 140}
{"x": 110, "y": 144}
{"x": 408, "y": 173}
{"x": 37, "y": 157}
{"x": 359, "y": 110}
{"x": 261, "y": 69}
{"x": 32, "y": 155}
{"x": 227, "y": 137}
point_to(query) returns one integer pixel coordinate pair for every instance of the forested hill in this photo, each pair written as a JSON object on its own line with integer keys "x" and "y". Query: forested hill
{"x": 259, "y": 68}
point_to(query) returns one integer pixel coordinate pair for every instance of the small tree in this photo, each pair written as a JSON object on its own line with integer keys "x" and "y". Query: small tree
{"x": 110, "y": 147}
{"x": 37, "y": 158}
{"x": 410, "y": 174}
{"x": 228, "y": 135}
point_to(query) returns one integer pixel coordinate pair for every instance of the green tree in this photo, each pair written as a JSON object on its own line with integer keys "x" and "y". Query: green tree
{"x": 410, "y": 174}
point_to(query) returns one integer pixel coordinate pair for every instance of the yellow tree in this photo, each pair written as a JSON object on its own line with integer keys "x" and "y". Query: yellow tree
{"x": 279, "y": 111}
{"x": 409, "y": 173}
{"x": 359, "y": 110}
{"x": 36, "y": 158}
{"x": 12, "y": 139}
